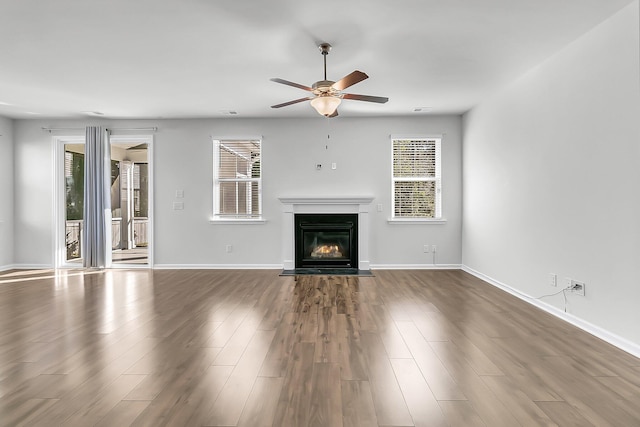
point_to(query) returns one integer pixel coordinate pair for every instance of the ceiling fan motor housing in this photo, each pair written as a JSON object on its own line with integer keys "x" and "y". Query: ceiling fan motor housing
{"x": 324, "y": 87}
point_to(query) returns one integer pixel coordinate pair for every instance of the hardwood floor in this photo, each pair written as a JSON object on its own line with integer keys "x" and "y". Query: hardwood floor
{"x": 251, "y": 348}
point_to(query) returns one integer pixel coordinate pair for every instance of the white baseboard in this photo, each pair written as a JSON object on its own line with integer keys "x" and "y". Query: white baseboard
{"x": 415, "y": 266}
{"x": 217, "y": 266}
{"x": 613, "y": 339}
{"x": 31, "y": 267}
{"x": 7, "y": 267}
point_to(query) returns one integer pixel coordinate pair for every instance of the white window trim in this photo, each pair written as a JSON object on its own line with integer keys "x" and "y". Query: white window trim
{"x": 230, "y": 219}
{"x": 419, "y": 221}
{"x": 438, "y": 219}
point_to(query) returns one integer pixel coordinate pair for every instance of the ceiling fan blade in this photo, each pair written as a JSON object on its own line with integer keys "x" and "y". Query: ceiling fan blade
{"x": 349, "y": 80}
{"x": 295, "y": 101}
{"x": 288, "y": 83}
{"x": 368, "y": 98}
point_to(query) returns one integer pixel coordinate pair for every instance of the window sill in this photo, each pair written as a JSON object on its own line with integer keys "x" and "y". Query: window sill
{"x": 421, "y": 221}
{"x": 238, "y": 221}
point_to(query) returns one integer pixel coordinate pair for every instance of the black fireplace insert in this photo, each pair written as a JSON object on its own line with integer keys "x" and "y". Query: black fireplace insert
{"x": 326, "y": 240}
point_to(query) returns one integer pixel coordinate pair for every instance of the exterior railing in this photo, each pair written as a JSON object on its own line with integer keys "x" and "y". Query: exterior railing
{"x": 73, "y": 239}
{"x": 116, "y": 233}
{"x": 140, "y": 227}
{"x": 74, "y": 230}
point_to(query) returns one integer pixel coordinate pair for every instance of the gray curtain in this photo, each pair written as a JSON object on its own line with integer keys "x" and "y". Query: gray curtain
{"x": 97, "y": 196}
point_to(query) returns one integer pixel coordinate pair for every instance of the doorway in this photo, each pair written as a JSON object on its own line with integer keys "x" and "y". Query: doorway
{"x": 130, "y": 197}
{"x": 131, "y": 202}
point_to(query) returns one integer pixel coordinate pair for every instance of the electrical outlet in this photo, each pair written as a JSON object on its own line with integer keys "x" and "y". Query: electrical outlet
{"x": 553, "y": 279}
{"x": 229, "y": 249}
{"x": 425, "y": 249}
{"x": 577, "y": 287}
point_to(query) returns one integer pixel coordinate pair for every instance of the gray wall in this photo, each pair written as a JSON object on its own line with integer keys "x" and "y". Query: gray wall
{"x": 6, "y": 193}
{"x": 552, "y": 174}
{"x": 291, "y": 148}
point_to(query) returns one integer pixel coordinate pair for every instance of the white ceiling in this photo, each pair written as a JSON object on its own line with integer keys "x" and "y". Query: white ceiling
{"x": 202, "y": 58}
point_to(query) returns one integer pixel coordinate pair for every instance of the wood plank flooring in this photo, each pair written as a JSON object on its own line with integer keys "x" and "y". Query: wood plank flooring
{"x": 251, "y": 348}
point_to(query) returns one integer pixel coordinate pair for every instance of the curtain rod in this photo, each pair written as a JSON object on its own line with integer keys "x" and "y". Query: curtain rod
{"x": 151, "y": 129}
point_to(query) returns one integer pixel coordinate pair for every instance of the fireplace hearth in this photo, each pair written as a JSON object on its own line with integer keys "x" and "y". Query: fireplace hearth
{"x": 326, "y": 241}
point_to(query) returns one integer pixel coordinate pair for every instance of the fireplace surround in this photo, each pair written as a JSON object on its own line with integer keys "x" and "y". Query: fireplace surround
{"x": 358, "y": 205}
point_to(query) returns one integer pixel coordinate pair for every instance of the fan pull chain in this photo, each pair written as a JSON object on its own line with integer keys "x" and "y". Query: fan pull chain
{"x": 326, "y": 147}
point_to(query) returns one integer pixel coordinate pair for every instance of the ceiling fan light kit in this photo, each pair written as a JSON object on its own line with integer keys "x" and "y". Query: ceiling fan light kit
{"x": 327, "y": 94}
{"x": 325, "y": 104}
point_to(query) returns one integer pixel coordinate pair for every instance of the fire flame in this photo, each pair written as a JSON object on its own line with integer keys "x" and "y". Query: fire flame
{"x": 326, "y": 251}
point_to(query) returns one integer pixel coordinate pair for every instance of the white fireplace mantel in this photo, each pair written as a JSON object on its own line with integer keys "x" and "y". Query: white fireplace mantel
{"x": 335, "y": 204}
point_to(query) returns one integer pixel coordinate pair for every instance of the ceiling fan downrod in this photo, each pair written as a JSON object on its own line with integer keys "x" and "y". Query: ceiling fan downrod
{"x": 325, "y": 48}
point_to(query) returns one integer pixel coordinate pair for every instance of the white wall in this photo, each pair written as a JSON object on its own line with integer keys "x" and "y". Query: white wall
{"x": 6, "y": 193}
{"x": 291, "y": 149}
{"x": 552, "y": 179}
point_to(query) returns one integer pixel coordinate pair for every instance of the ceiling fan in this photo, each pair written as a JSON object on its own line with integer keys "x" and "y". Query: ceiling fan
{"x": 327, "y": 94}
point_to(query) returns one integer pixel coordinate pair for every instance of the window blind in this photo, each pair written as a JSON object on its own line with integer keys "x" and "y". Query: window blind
{"x": 416, "y": 178}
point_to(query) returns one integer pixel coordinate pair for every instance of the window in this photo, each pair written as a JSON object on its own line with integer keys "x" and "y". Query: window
{"x": 416, "y": 178}
{"x": 237, "y": 179}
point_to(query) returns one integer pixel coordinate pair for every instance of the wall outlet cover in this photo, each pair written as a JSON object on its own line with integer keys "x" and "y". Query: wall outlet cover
{"x": 577, "y": 287}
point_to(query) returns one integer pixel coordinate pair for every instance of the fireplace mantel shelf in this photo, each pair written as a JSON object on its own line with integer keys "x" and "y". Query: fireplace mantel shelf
{"x": 337, "y": 200}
